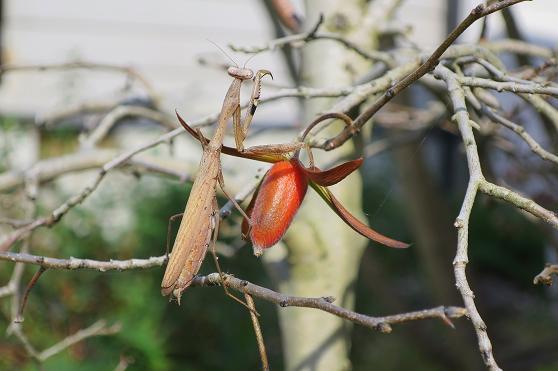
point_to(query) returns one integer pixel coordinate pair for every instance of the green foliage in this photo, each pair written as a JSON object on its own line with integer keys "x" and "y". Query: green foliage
{"x": 208, "y": 331}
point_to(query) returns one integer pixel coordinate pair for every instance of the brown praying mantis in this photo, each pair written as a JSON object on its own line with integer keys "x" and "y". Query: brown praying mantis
{"x": 200, "y": 222}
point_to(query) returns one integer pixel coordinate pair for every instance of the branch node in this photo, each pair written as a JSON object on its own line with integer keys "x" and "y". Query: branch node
{"x": 545, "y": 277}
{"x": 383, "y": 327}
{"x": 458, "y": 223}
{"x": 478, "y": 10}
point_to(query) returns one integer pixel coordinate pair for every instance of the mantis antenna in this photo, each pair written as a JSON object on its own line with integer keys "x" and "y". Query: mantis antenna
{"x": 224, "y": 52}
{"x": 249, "y": 59}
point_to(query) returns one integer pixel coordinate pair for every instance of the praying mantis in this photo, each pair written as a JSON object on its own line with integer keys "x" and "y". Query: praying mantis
{"x": 200, "y": 222}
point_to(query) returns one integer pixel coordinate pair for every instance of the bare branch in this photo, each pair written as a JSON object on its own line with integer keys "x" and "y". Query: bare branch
{"x": 51, "y": 168}
{"x": 313, "y": 35}
{"x": 258, "y": 331}
{"x": 543, "y": 107}
{"x": 518, "y": 129}
{"x": 86, "y": 65}
{"x": 76, "y": 263}
{"x": 477, "y": 182}
{"x": 382, "y": 324}
{"x": 514, "y": 87}
{"x": 30, "y": 286}
{"x": 240, "y": 197}
{"x": 462, "y": 222}
{"x": 480, "y": 11}
{"x": 518, "y": 47}
{"x": 325, "y": 303}
{"x": 519, "y": 201}
{"x": 69, "y": 111}
{"x": 15, "y": 223}
{"x": 121, "y": 112}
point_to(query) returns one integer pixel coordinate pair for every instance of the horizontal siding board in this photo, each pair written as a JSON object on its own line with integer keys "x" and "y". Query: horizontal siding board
{"x": 163, "y": 40}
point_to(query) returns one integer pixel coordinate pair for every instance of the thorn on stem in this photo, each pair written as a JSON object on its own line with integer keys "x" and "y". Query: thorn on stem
{"x": 447, "y": 321}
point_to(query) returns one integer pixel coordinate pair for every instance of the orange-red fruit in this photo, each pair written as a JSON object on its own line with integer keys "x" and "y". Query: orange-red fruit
{"x": 276, "y": 203}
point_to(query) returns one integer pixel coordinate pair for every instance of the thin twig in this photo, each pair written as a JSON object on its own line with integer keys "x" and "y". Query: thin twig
{"x": 99, "y": 328}
{"x": 240, "y": 197}
{"x": 382, "y": 324}
{"x": 76, "y": 263}
{"x": 519, "y": 201}
{"x": 518, "y": 47}
{"x": 86, "y": 65}
{"x": 30, "y": 286}
{"x": 514, "y": 87}
{"x": 518, "y": 129}
{"x": 15, "y": 223}
{"x": 314, "y": 35}
{"x": 258, "y": 331}
{"x": 477, "y": 182}
{"x": 51, "y": 168}
{"x": 462, "y": 221}
{"x": 324, "y": 303}
{"x": 73, "y": 110}
{"x": 478, "y": 12}
{"x": 121, "y": 112}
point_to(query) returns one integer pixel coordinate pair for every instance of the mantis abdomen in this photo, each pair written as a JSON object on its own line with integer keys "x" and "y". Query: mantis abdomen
{"x": 196, "y": 229}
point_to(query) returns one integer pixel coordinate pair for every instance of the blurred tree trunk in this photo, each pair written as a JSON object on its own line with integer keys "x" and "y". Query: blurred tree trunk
{"x": 321, "y": 255}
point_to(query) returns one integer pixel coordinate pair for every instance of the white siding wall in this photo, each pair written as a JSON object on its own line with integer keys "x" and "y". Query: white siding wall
{"x": 162, "y": 39}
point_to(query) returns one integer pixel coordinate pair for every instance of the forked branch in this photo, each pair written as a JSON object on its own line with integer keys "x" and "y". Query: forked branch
{"x": 382, "y": 324}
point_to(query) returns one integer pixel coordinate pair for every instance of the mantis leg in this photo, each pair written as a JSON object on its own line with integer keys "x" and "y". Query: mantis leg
{"x": 202, "y": 138}
{"x": 221, "y": 182}
{"x": 239, "y": 134}
{"x": 216, "y": 219}
{"x": 169, "y": 226}
{"x": 241, "y": 130}
{"x": 274, "y": 148}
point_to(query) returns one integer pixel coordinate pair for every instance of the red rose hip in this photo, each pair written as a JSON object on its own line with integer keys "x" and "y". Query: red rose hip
{"x": 277, "y": 200}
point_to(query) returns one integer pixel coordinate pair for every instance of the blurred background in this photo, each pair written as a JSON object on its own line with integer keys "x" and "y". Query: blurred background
{"x": 86, "y": 59}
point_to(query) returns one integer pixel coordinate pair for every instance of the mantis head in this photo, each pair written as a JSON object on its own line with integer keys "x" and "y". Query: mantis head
{"x": 240, "y": 73}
